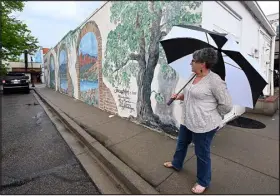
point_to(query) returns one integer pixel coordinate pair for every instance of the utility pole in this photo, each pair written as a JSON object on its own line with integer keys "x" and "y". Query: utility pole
{"x": 26, "y": 60}
{"x": 32, "y": 81}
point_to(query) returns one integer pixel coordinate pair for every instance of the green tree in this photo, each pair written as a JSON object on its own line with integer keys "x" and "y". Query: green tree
{"x": 3, "y": 69}
{"x": 16, "y": 37}
{"x": 133, "y": 48}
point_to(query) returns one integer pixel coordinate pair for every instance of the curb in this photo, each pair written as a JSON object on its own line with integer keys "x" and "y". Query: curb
{"x": 125, "y": 174}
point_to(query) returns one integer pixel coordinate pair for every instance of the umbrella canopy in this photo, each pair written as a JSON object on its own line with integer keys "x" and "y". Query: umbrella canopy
{"x": 241, "y": 72}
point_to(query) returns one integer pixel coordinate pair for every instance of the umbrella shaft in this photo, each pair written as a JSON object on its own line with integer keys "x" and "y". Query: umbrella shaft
{"x": 172, "y": 99}
{"x": 186, "y": 84}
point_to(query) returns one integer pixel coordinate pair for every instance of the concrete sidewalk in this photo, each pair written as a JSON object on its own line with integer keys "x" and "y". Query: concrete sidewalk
{"x": 244, "y": 161}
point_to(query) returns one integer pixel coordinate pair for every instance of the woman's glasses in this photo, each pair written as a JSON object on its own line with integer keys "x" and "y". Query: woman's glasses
{"x": 194, "y": 61}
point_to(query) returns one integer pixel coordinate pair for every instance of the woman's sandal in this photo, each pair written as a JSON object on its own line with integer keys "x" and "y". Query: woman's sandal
{"x": 199, "y": 190}
{"x": 168, "y": 164}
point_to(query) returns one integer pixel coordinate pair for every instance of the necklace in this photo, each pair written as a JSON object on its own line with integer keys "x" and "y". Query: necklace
{"x": 202, "y": 75}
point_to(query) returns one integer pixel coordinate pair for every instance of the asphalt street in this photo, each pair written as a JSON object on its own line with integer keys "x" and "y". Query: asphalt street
{"x": 35, "y": 158}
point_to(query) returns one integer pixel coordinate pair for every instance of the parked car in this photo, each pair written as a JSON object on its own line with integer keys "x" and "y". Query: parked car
{"x": 15, "y": 81}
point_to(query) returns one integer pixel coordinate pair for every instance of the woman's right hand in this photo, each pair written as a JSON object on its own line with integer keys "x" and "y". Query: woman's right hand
{"x": 178, "y": 97}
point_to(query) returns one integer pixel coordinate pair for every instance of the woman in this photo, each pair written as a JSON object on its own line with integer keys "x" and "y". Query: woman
{"x": 205, "y": 101}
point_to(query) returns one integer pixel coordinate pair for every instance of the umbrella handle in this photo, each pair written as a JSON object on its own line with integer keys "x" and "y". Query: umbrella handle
{"x": 170, "y": 101}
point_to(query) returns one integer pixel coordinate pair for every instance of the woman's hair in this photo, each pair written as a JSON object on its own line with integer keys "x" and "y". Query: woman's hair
{"x": 209, "y": 56}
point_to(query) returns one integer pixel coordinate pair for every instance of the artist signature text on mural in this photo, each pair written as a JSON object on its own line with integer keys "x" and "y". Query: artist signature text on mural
{"x": 124, "y": 99}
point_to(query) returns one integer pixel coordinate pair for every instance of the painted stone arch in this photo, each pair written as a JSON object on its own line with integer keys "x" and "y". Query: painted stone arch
{"x": 62, "y": 69}
{"x": 91, "y": 88}
{"x": 52, "y": 71}
{"x": 56, "y": 54}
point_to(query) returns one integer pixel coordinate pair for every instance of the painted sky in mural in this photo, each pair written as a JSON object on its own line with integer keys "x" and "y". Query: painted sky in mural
{"x": 52, "y": 72}
{"x": 52, "y": 63}
{"x": 88, "y": 45}
{"x": 63, "y": 70}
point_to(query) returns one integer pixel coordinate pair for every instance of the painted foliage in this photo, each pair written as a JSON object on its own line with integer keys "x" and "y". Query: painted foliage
{"x": 52, "y": 72}
{"x": 133, "y": 51}
{"x": 63, "y": 82}
{"x": 87, "y": 55}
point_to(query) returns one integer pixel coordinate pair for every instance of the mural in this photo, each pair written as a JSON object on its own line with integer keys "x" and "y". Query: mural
{"x": 52, "y": 72}
{"x": 88, "y": 69}
{"x": 121, "y": 67}
{"x": 63, "y": 82}
{"x": 133, "y": 50}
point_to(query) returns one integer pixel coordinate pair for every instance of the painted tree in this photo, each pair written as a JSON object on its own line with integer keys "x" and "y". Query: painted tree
{"x": 133, "y": 48}
{"x": 71, "y": 38}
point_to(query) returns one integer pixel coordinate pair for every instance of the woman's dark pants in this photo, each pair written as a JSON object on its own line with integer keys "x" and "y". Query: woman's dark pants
{"x": 202, "y": 142}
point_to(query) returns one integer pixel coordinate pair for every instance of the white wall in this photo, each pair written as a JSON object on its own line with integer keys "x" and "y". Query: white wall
{"x": 241, "y": 24}
{"x": 220, "y": 20}
{"x": 246, "y": 29}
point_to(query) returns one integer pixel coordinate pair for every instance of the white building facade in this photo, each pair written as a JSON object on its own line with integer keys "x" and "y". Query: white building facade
{"x": 274, "y": 21}
{"x": 246, "y": 22}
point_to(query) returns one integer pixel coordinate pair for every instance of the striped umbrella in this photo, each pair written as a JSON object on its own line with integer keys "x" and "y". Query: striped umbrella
{"x": 241, "y": 72}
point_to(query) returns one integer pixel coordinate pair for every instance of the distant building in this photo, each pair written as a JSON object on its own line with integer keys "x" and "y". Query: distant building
{"x": 45, "y": 50}
{"x": 274, "y": 21}
{"x": 35, "y": 68}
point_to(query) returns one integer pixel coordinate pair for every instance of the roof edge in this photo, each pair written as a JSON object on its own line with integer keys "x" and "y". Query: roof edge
{"x": 273, "y": 14}
{"x": 257, "y": 11}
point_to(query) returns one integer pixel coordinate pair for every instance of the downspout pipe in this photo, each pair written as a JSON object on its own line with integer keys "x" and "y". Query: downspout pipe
{"x": 271, "y": 69}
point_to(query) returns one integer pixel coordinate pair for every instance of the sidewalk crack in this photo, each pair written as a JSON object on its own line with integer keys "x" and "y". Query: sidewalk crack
{"x": 245, "y": 166}
{"x": 124, "y": 140}
{"x": 262, "y": 136}
{"x": 173, "y": 172}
